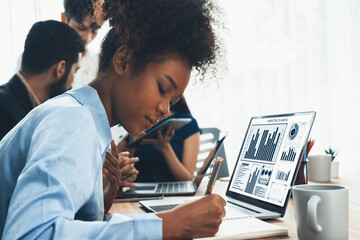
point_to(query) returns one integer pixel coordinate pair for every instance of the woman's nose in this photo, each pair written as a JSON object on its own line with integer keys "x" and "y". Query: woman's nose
{"x": 164, "y": 110}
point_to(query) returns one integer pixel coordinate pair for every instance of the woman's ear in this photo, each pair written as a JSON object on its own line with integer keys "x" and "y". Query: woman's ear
{"x": 121, "y": 60}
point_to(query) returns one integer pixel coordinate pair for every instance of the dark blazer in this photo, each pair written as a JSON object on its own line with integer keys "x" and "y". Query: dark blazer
{"x": 15, "y": 103}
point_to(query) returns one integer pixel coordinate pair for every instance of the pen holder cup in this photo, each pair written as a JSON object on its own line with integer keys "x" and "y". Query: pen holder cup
{"x": 302, "y": 177}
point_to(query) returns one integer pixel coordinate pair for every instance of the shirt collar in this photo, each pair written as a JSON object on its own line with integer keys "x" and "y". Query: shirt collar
{"x": 89, "y": 98}
{"x": 34, "y": 100}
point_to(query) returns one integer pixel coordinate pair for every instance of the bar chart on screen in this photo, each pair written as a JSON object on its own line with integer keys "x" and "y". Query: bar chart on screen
{"x": 283, "y": 175}
{"x": 263, "y": 142}
{"x": 253, "y": 178}
{"x": 288, "y": 155}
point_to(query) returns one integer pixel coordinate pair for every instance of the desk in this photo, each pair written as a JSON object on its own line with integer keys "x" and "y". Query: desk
{"x": 352, "y": 182}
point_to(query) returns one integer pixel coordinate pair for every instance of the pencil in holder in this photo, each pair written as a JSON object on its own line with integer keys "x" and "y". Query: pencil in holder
{"x": 302, "y": 177}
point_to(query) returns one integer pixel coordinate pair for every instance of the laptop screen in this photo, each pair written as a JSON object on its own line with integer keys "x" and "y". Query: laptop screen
{"x": 269, "y": 157}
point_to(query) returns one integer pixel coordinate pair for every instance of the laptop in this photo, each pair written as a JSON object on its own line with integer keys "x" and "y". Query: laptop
{"x": 175, "y": 188}
{"x": 266, "y": 167}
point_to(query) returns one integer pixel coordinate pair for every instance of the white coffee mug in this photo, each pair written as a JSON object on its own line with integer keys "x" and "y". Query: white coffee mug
{"x": 334, "y": 169}
{"x": 321, "y": 211}
{"x": 319, "y": 168}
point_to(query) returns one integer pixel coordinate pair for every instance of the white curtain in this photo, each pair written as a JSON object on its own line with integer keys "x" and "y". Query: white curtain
{"x": 283, "y": 56}
{"x": 286, "y": 56}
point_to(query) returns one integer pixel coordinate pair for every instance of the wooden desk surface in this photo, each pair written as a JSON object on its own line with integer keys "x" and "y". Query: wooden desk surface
{"x": 352, "y": 182}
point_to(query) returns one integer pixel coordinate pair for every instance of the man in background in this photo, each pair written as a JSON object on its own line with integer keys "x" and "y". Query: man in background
{"x": 50, "y": 59}
{"x": 79, "y": 14}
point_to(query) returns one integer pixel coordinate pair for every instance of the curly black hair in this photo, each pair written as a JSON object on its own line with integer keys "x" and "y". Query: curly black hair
{"x": 152, "y": 30}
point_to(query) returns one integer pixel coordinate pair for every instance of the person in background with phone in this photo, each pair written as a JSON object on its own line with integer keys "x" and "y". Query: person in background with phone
{"x": 172, "y": 156}
{"x": 51, "y": 162}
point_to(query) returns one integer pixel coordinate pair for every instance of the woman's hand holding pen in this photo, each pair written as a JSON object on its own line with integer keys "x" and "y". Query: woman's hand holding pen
{"x": 200, "y": 218}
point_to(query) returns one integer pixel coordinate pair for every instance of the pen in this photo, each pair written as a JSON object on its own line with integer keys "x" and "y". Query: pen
{"x": 137, "y": 199}
{"x": 215, "y": 171}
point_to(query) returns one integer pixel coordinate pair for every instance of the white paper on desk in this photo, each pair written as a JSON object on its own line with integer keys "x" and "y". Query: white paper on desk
{"x": 247, "y": 227}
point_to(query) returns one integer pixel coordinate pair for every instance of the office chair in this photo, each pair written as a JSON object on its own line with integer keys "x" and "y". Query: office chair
{"x": 208, "y": 138}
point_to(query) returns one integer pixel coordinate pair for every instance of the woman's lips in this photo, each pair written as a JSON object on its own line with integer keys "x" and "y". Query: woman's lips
{"x": 150, "y": 122}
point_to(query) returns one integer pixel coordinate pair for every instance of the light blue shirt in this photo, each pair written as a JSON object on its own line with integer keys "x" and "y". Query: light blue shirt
{"x": 51, "y": 175}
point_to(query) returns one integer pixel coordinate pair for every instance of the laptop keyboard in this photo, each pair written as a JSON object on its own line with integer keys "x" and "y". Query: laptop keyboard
{"x": 171, "y": 187}
{"x": 245, "y": 210}
{"x": 241, "y": 209}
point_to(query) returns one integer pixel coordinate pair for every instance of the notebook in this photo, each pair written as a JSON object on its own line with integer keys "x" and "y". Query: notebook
{"x": 235, "y": 225}
{"x": 176, "y": 188}
{"x": 246, "y": 227}
{"x": 266, "y": 167}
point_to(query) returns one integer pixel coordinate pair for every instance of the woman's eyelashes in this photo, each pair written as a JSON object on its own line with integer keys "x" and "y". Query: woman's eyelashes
{"x": 161, "y": 89}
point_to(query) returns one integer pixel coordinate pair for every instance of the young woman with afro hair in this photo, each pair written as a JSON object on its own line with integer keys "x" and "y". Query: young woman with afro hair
{"x": 51, "y": 163}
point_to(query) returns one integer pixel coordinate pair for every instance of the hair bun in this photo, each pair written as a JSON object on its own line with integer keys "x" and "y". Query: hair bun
{"x": 153, "y": 27}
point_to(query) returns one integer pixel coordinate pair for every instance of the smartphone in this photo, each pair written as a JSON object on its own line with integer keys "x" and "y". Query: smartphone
{"x": 175, "y": 123}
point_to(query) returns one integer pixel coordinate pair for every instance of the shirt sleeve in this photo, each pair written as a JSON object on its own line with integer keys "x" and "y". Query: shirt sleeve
{"x": 61, "y": 177}
{"x": 117, "y": 226}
